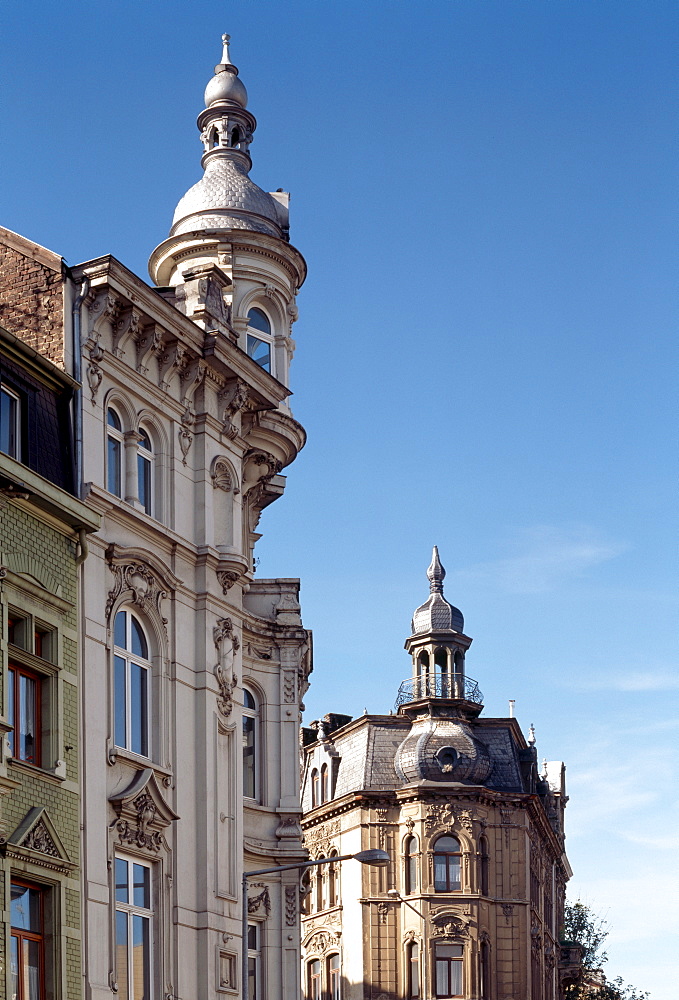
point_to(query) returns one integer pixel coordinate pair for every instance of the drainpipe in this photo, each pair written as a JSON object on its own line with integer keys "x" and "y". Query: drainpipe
{"x": 77, "y": 375}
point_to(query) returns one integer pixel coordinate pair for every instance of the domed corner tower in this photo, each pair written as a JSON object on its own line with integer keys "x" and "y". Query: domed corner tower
{"x": 228, "y": 262}
{"x": 472, "y": 903}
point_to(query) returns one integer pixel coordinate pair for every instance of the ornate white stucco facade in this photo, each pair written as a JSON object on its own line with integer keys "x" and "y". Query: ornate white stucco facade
{"x": 193, "y": 668}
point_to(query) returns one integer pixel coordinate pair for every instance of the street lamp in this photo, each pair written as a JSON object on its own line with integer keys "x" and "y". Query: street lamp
{"x": 375, "y": 857}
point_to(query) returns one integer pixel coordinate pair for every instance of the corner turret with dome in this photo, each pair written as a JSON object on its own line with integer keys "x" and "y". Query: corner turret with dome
{"x": 228, "y": 262}
{"x": 438, "y": 647}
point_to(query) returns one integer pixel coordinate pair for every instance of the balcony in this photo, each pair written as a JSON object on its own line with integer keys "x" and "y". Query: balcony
{"x": 439, "y": 685}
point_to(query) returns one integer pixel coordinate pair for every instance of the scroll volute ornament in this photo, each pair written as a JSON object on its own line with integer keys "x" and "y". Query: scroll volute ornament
{"x": 141, "y": 579}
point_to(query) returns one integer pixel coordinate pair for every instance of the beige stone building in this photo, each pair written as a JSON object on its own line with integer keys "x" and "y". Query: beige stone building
{"x": 471, "y": 904}
{"x": 192, "y": 668}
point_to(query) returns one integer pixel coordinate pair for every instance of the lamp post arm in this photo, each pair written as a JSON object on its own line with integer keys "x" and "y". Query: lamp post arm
{"x": 245, "y": 984}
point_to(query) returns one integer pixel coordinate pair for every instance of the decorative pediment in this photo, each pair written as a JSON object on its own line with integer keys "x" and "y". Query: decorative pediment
{"x": 142, "y": 578}
{"x": 318, "y": 942}
{"x": 142, "y": 813}
{"x": 36, "y": 840}
{"x": 449, "y": 926}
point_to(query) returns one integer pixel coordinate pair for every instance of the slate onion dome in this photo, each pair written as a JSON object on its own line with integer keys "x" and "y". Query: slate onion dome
{"x": 226, "y": 197}
{"x": 436, "y": 613}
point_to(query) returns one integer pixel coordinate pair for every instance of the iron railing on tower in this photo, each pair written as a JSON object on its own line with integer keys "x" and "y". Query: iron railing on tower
{"x": 438, "y": 684}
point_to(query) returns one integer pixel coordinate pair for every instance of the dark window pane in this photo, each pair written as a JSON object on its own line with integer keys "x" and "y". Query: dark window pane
{"x": 9, "y": 411}
{"x": 28, "y": 721}
{"x": 260, "y": 352}
{"x": 119, "y": 631}
{"x": 248, "y": 700}
{"x": 258, "y": 321}
{"x": 144, "y": 482}
{"x": 10, "y": 711}
{"x": 139, "y": 647}
{"x": 142, "y": 886}
{"x": 25, "y": 908}
{"x": 112, "y": 419}
{"x": 15, "y": 967}
{"x": 120, "y": 699}
{"x": 31, "y": 957}
{"x": 122, "y": 962}
{"x": 145, "y": 441}
{"x": 248, "y": 757}
{"x": 113, "y": 481}
{"x": 121, "y": 881}
{"x": 141, "y": 958}
{"x": 139, "y": 709}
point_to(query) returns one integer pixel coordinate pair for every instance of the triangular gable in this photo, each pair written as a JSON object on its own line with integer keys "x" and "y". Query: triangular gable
{"x": 37, "y": 840}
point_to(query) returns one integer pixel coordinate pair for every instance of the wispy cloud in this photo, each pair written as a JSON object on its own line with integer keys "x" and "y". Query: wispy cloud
{"x": 545, "y": 557}
{"x": 638, "y": 680}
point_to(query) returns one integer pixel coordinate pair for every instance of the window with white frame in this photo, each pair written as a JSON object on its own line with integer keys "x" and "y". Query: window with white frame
{"x": 134, "y": 929}
{"x": 132, "y": 685}
{"x": 10, "y": 422}
{"x": 334, "y": 980}
{"x": 410, "y": 851}
{"x": 114, "y": 452}
{"x": 250, "y": 745}
{"x": 447, "y": 864}
{"x": 412, "y": 970}
{"x": 254, "y": 944}
{"x": 314, "y": 977}
{"x": 145, "y": 472}
{"x": 259, "y": 339}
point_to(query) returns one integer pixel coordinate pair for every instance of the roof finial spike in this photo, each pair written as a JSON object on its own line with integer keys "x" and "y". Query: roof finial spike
{"x": 226, "y": 61}
{"x": 436, "y": 573}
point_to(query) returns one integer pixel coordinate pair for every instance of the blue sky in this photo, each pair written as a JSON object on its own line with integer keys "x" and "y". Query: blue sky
{"x": 485, "y": 193}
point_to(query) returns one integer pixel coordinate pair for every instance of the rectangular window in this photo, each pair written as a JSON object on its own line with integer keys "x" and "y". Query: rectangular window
{"x": 23, "y": 710}
{"x": 334, "y": 977}
{"x": 114, "y": 466}
{"x": 315, "y": 980}
{"x": 27, "y": 955}
{"x": 249, "y": 782}
{"x": 254, "y": 954}
{"x": 144, "y": 470}
{"x": 134, "y": 929}
{"x": 413, "y": 971}
{"x": 448, "y": 963}
{"x": 10, "y": 423}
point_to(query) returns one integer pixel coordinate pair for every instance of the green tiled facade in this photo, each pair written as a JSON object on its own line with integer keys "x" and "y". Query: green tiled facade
{"x": 40, "y": 581}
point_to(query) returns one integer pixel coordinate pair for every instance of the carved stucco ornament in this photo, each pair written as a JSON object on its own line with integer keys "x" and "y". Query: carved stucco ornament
{"x": 222, "y": 476}
{"x": 261, "y": 901}
{"x": 227, "y": 644}
{"x": 449, "y": 926}
{"x": 142, "y": 814}
{"x": 235, "y": 397}
{"x": 446, "y": 814}
{"x": 321, "y": 941}
{"x": 37, "y": 833}
{"x": 142, "y": 579}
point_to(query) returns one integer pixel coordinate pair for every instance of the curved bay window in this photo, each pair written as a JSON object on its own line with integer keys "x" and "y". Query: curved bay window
{"x": 132, "y": 685}
{"x": 448, "y": 970}
{"x": 447, "y": 864}
{"x": 259, "y": 345}
{"x": 114, "y": 453}
{"x": 27, "y": 957}
{"x": 410, "y": 852}
{"x": 250, "y": 747}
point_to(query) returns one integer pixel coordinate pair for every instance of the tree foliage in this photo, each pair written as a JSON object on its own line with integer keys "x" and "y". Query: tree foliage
{"x": 585, "y": 928}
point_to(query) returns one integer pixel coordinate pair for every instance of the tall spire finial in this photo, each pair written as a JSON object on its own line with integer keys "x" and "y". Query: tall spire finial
{"x": 435, "y": 573}
{"x": 226, "y": 61}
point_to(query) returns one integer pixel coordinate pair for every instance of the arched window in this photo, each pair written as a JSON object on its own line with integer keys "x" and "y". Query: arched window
{"x": 483, "y": 851}
{"x": 258, "y": 346}
{"x": 114, "y": 453}
{"x": 410, "y": 852}
{"x": 214, "y": 139}
{"x": 235, "y": 137}
{"x": 315, "y": 789}
{"x": 145, "y": 469}
{"x": 333, "y": 879}
{"x": 443, "y": 674}
{"x": 413, "y": 970}
{"x": 334, "y": 986}
{"x": 447, "y": 858}
{"x": 132, "y": 685}
{"x": 250, "y": 746}
{"x": 324, "y": 783}
{"x": 320, "y": 889}
{"x": 314, "y": 980}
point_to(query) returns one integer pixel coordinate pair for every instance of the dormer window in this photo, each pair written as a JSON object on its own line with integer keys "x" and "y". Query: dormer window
{"x": 259, "y": 346}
